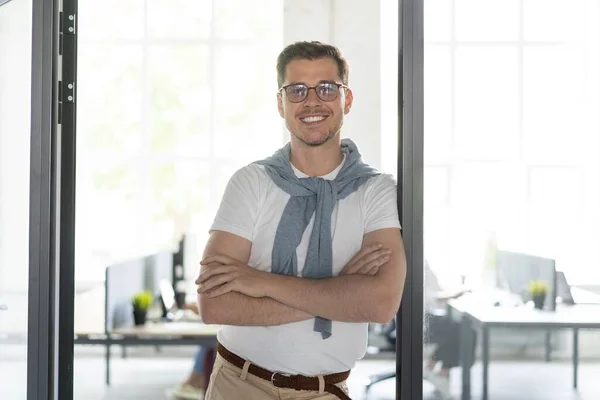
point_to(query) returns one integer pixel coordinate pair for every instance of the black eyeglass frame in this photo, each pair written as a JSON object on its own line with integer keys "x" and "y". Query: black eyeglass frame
{"x": 339, "y": 86}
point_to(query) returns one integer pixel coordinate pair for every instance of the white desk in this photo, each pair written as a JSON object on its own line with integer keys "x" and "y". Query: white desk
{"x": 485, "y": 316}
{"x": 153, "y": 334}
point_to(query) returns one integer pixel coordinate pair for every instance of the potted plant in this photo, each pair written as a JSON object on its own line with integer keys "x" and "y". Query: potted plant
{"x": 538, "y": 291}
{"x": 141, "y": 302}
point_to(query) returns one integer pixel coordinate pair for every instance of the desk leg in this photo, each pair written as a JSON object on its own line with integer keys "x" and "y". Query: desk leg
{"x": 485, "y": 331}
{"x": 466, "y": 346}
{"x": 548, "y": 345}
{"x": 575, "y": 356}
{"x": 107, "y": 364}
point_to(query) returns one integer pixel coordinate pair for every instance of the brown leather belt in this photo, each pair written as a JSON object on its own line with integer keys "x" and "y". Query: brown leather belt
{"x": 280, "y": 380}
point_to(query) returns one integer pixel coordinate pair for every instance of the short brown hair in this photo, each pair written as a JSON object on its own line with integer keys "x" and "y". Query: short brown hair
{"x": 310, "y": 51}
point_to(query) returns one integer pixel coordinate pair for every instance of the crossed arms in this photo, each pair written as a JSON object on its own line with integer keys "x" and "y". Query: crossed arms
{"x": 369, "y": 288}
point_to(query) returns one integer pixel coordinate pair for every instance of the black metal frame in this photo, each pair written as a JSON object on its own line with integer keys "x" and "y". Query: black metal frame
{"x": 42, "y": 204}
{"x": 52, "y": 203}
{"x": 409, "y": 352}
{"x": 68, "y": 148}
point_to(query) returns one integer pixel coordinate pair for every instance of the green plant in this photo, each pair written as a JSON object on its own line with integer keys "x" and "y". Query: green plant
{"x": 142, "y": 301}
{"x": 538, "y": 288}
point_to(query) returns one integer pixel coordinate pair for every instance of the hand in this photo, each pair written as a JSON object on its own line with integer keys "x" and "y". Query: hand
{"x": 223, "y": 274}
{"x": 367, "y": 261}
{"x": 192, "y": 307}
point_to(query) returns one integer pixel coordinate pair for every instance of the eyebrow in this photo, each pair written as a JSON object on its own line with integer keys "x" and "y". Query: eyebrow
{"x": 303, "y": 83}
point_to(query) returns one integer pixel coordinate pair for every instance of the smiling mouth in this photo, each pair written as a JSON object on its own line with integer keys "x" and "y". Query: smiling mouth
{"x": 313, "y": 119}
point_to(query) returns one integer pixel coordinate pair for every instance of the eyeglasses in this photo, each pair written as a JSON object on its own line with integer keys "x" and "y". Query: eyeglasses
{"x": 326, "y": 91}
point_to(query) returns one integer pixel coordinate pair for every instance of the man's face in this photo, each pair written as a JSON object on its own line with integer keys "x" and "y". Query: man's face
{"x": 314, "y": 121}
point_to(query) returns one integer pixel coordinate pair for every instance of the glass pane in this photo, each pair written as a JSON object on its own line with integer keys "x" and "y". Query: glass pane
{"x": 107, "y": 196}
{"x": 15, "y": 123}
{"x": 438, "y": 102}
{"x": 557, "y": 84}
{"x": 519, "y": 173}
{"x": 486, "y": 102}
{"x": 249, "y": 20}
{"x": 438, "y": 14}
{"x": 177, "y": 195}
{"x": 246, "y": 119}
{"x": 556, "y": 20}
{"x": 109, "y": 109}
{"x": 179, "y": 19}
{"x": 180, "y": 100}
{"x": 490, "y": 20}
{"x": 111, "y": 19}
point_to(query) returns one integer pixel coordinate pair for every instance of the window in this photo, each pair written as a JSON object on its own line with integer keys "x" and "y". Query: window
{"x": 172, "y": 99}
{"x": 512, "y": 133}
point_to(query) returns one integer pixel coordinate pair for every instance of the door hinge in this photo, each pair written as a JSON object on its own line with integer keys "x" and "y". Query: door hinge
{"x": 68, "y": 24}
{"x": 66, "y": 92}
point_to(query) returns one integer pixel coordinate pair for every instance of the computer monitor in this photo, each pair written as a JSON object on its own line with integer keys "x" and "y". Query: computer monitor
{"x": 167, "y": 296}
{"x": 514, "y": 272}
{"x": 563, "y": 289}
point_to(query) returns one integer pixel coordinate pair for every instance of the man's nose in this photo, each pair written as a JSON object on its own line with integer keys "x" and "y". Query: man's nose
{"x": 312, "y": 98}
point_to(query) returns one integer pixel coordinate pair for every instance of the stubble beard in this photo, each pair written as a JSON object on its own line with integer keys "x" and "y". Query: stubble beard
{"x": 333, "y": 132}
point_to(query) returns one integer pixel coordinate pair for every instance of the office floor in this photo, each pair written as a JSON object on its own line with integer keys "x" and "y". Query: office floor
{"x": 147, "y": 375}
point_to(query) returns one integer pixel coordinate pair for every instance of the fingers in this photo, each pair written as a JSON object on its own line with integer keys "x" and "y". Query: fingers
{"x": 372, "y": 267}
{"x": 373, "y": 256}
{"x": 212, "y": 271}
{"x": 221, "y": 290}
{"x": 215, "y": 281}
{"x": 373, "y": 271}
{"x": 367, "y": 250}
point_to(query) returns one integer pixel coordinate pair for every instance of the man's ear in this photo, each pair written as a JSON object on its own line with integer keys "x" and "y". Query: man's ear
{"x": 280, "y": 104}
{"x": 348, "y": 101}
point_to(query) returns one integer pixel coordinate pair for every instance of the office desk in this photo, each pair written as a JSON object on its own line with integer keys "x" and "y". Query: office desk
{"x": 153, "y": 334}
{"x": 480, "y": 315}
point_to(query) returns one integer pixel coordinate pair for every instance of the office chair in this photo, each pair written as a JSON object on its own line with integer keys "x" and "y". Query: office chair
{"x": 389, "y": 333}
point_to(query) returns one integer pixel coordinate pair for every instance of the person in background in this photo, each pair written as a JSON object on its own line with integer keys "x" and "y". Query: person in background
{"x": 194, "y": 386}
{"x": 440, "y": 331}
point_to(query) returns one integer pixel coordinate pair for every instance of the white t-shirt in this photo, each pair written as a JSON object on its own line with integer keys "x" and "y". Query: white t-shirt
{"x": 251, "y": 207}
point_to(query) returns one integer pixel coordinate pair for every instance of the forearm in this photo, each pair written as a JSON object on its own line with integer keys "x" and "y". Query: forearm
{"x": 348, "y": 298}
{"x": 238, "y": 309}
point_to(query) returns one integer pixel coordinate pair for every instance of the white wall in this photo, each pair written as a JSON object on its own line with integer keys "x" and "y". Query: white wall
{"x": 354, "y": 27}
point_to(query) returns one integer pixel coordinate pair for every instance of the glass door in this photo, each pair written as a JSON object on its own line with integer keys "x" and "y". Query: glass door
{"x": 15, "y": 121}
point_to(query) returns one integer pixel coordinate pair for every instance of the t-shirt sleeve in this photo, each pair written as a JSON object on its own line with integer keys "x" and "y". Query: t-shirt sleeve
{"x": 239, "y": 205}
{"x": 381, "y": 203}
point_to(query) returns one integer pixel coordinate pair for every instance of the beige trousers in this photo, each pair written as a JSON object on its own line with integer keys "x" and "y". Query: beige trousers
{"x": 228, "y": 382}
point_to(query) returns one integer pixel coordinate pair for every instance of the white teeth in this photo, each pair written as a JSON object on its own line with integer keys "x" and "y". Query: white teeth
{"x": 313, "y": 119}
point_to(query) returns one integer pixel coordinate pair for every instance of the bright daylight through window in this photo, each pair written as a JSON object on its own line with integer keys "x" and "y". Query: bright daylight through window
{"x": 512, "y": 143}
{"x": 166, "y": 113}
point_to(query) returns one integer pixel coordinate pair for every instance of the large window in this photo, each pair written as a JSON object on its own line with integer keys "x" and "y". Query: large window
{"x": 173, "y": 98}
{"x": 512, "y": 133}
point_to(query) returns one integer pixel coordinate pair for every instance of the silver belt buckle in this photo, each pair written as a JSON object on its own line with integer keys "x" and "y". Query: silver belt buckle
{"x": 277, "y": 373}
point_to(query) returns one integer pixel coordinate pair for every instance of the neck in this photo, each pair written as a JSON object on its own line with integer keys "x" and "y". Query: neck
{"x": 316, "y": 160}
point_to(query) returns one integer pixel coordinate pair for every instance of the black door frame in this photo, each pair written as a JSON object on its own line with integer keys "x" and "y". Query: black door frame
{"x": 52, "y": 201}
{"x": 42, "y": 327}
{"x": 409, "y": 331}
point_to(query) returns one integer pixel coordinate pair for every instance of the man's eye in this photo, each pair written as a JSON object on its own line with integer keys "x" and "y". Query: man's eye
{"x": 327, "y": 89}
{"x": 297, "y": 90}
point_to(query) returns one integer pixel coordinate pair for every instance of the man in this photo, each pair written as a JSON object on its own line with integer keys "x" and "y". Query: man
{"x": 305, "y": 249}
